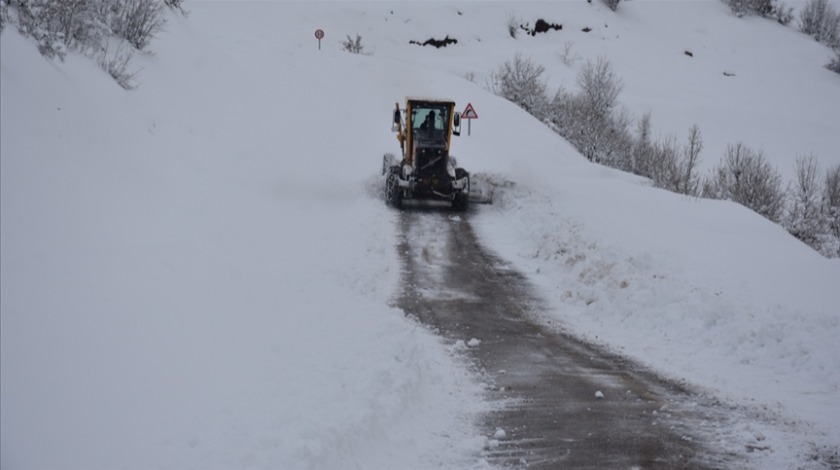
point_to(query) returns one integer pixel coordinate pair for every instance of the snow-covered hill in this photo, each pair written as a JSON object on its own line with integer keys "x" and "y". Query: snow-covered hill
{"x": 198, "y": 273}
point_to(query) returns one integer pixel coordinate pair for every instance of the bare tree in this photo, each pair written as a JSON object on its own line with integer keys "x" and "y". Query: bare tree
{"x": 751, "y": 7}
{"x": 600, "y": 86}
{"x": 804, "y": 218}
{"x": 176, "y": 5}
{"x": 137, "y": 21}
{"x": 641, "y": 156}
{"x": 520, "y": 81}
{"x": 745, "y": 177}
{"x": 834, "y": 65}
{"x": 831, "y": 200}
{"x": 4, "y": 13}
{"x": 117, "y": 65}
{"x": 690, "y": 180}
{"x": 664, "y": 164}
{"x": 89, "y": 26}
{"x": 595, "y": 127}
{"x": 354, "y": 46}
{"x": 819, "y": 19}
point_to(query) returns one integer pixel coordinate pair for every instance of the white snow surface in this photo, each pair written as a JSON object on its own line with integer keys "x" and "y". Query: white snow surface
{"x": 199, "y": 273}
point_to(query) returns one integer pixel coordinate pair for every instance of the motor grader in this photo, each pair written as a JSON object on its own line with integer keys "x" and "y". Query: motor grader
{"x": 426, "y": 171}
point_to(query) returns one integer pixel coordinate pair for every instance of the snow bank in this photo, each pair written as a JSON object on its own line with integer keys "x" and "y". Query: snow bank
{"x": 194, "y": 277}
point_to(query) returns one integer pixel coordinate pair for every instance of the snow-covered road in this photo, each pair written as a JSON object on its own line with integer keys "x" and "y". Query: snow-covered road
{"x": 565, "y": 403}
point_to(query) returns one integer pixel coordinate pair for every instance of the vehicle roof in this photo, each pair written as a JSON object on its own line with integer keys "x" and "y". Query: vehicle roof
{"x": 429, "y": 99}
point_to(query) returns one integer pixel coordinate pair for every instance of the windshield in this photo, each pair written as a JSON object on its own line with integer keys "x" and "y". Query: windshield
{"x": 430, "y": 117}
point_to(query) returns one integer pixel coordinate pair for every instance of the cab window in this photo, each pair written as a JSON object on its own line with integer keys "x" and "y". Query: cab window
{"x": 429, "y": 117}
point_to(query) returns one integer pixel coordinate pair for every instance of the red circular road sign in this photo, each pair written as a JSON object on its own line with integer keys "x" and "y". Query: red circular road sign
{"x": 319, "y": 33}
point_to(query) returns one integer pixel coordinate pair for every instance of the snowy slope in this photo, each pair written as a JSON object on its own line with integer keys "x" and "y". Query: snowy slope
{"x": 196, "y": 276}
{"x": 198, "y": 273}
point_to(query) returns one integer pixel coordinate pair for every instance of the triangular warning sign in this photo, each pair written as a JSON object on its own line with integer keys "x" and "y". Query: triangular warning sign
{"x": 469, "y": 112}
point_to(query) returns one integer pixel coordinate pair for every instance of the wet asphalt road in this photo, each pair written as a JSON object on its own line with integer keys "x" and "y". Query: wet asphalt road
{"x": 554, "y": 415}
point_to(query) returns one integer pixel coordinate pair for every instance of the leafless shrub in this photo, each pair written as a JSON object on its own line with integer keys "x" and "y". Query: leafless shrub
{"x": 745, "y": 177}
{"x": 137, "y": 21}
{"x": 176, "y": 5}
{"x": 117, "y": 65}
{"x": 665, "y": 170}
{"x": 4, "y": 13}
{"x": 803, "y": 219}
{"x": 520, "y": 81}
{"x": 590, "y": 120}
{"x": 88, "y": 26}
{"x": 593, "y": 109}
{"x": 751, "y": 7}
{"x": 353, "y": 46}
{"x": 690, "y": 180}
{"x": 834, "y": 65}
{"x": 831, "y": 200}
{"x": 670, "y": 167}
{"x": 600, "y": 86}
{"x": 57, "y": 26}
{"x": 819, "y": 19}
{"x": 783, "y": 13}
{"x": 641, "y": 155}
{"x": 566, "y": 55}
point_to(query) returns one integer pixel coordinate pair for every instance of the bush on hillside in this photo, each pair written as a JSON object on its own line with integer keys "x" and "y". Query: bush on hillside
{"x": 830, "y": 244}
{"x": 783, "y": 13}
{"x": 751, "y": 7}
{"x": 4, "y": 12}
{"x": 813, "y": 212}
{"x": 520, "y": 82}
{"x": 745, "y": 177}
{"x": 639, "y": 161}
{"x": 803, "y": 218}
{"x": 176, "y": 5}
{"x": 819, "y": 19}
{"x": 117, "y": 63}
{"x": 590, "y": 120}
{"x": 688, "y": 181}
{"x": 600, "y": 86}
{"x": 834, "y": 65}
{"x": 665, "y": 168}
{"x": 138, "y": 21}
{"x": 353, "y": 46}
{"x": 88, "y": 26}
{"x": 666, "y": 164}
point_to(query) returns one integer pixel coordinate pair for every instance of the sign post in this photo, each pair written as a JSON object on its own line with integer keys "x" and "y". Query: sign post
{"x": 469, "y": 114}
{"x": 319, "y": 34}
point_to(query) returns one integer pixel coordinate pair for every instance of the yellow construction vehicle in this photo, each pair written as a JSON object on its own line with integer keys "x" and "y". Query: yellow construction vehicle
{"x": 426, "y": 171}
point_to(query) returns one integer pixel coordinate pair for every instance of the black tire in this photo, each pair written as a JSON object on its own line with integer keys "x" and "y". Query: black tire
{"x": 461, "y": 200}
{"x": 393, "y": 193}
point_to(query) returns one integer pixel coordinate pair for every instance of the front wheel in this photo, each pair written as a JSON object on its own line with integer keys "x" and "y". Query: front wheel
{"x": 393, "y": 193}
{"x": 461, "y": 200}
